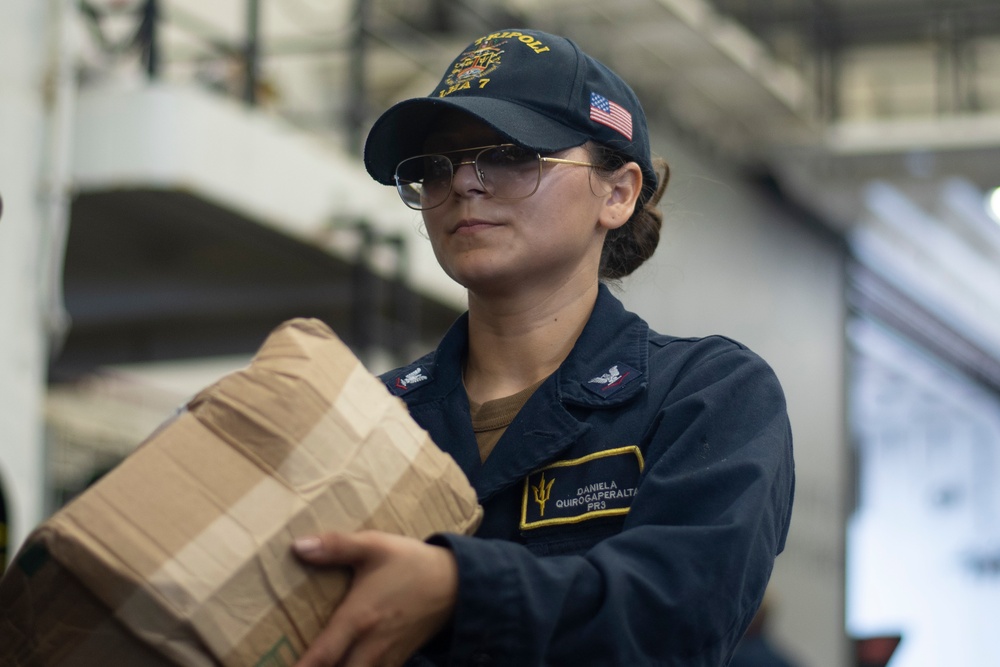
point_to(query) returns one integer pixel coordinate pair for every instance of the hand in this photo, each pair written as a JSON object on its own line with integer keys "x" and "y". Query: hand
{"x": 402, "y": 594}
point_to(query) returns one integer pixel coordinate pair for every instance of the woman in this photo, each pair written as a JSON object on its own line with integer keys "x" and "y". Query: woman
{"x": 636, "y": 487}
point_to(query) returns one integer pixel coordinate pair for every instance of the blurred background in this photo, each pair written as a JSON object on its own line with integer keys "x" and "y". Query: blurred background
{"x": 180, "y": 176}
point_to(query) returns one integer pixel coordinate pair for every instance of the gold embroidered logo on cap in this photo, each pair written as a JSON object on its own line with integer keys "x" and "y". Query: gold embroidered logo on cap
{"x": 473, "y": 65}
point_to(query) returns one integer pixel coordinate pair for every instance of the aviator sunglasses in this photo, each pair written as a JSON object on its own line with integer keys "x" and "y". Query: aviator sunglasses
{"x": 506, "y": 171}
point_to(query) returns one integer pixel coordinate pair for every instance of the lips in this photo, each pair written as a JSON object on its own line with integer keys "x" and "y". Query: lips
{"x": 473, "y": 225}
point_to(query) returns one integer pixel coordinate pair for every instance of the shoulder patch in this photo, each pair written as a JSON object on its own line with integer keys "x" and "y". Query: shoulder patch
{"x": 408, "y": 379}
{"x": 611, "y": 380}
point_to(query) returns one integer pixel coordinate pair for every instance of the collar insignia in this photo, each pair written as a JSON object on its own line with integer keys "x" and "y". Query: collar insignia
{"x": 403, "y": 383}
{"x": 612, "y": 380}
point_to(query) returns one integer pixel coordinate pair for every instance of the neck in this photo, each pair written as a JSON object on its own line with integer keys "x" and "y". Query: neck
{"x": 519, "y": 340}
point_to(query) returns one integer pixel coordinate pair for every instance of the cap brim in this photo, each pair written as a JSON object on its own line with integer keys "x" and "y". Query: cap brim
{"x": 401, "y": 131}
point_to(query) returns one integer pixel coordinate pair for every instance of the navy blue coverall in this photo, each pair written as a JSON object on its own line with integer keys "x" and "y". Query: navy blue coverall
{"x": 633, "y": 508}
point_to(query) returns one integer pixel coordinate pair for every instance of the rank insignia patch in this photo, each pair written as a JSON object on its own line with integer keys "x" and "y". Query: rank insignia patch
{"x": 600, "y": 484}
{"x": 610, "y": 381}
{"x": 403, "y": 383}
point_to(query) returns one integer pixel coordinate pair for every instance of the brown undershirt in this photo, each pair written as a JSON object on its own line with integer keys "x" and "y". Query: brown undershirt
{"x": 491, "y": 419}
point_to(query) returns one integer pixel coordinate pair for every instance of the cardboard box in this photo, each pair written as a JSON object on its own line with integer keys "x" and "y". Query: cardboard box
{"x": 182, "y": 553}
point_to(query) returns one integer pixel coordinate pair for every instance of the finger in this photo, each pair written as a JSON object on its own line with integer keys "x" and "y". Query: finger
{"x": 331, "y": 549}
{"x": 328, "y": 648}
{"x": 372, "y": 650}
{"x": 349, "y": 627}
{"x": 367, "y": 653}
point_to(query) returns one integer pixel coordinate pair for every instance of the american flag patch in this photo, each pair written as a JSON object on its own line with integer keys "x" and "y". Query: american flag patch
{"x": 606, "y": 112}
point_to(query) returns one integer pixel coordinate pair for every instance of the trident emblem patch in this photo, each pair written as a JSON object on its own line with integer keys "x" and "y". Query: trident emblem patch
{"x": 542, "y": 493}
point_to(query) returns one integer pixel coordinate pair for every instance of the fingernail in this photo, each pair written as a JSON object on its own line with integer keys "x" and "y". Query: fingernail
{"x": 307, "y": 545}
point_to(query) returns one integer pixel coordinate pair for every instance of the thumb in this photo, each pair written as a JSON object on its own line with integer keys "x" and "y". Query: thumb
{"x": 330, "y": 549}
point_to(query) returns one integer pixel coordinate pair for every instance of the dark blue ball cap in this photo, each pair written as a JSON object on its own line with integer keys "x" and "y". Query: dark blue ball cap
{"x": 538, "y": 90}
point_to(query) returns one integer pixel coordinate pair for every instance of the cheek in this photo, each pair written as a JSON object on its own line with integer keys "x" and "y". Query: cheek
{"x": 432, "y": 224}
{"x": 577, "y": 210}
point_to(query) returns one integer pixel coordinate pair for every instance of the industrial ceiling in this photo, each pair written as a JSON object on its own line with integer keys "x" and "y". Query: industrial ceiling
{"x": 820, "y": 94}
{"x": 852, "y": 110}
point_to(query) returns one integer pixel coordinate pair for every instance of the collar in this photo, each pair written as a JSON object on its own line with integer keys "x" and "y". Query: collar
{"x": 609, "y": 363}
{"x": 607, "y": 366}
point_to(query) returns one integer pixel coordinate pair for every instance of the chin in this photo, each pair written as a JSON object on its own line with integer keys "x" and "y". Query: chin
{"x": 477, "y": 270}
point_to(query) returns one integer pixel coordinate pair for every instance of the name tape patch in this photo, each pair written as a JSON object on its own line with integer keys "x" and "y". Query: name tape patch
{"x": 596, "y": 485}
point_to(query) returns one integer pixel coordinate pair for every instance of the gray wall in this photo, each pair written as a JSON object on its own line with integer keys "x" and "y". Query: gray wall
{"x": 733, "y": 261}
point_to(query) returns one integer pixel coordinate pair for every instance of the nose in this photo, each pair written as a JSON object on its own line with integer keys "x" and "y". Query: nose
{"x": 466, "y": 181}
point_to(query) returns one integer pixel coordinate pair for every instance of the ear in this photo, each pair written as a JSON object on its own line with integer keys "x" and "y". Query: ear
{"x": 619, "y": 203}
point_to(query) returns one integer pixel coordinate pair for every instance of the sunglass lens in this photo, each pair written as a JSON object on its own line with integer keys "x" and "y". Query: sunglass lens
{"x": 422, "y": 181}
{"x": 509, "y": 171}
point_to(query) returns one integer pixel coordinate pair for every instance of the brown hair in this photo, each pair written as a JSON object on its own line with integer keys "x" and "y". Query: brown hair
{"x": 627, "y": 247}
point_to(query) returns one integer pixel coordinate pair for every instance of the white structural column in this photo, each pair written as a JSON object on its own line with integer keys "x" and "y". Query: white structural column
{"x": 29, "y": 85}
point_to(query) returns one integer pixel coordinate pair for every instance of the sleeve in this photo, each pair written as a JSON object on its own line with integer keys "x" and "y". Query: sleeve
{"x": 681, "y": 582}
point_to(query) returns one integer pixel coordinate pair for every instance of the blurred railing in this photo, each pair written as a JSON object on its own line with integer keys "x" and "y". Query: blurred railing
{"x": 385, "y": 310}
{"x": 242, "y": 56}
{"x": 145, "y": 38}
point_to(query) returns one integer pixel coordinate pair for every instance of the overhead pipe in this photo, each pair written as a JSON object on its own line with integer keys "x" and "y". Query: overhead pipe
{"x": 146, "y": 37}
{"x": 357, "y": 94}
{"x": 251, "y": 54}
